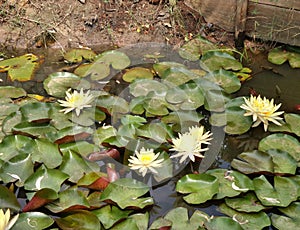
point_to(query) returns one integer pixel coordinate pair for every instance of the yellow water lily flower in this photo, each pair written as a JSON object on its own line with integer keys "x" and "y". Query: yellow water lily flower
{"x": 189, "y": 144}
{"x": 145, "y": 160}
{"x": 76, "y": 101}
{"x": 5, "y": 223}
{"x": 262, "y": 111}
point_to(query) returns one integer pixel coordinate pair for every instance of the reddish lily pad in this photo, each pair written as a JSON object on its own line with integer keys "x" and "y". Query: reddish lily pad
{"x": 20, "y": 68}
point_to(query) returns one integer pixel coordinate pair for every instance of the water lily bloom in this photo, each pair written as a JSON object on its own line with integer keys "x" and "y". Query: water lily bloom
{"x": 189, "y": 144}
{"x": 76, "y": 101}
{"x": 145, "y": 160}
{"x": 262, "y": 111}
{"x": 5, "y": 224}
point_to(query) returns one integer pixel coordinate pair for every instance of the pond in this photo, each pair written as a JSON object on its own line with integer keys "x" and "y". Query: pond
{"x": 149, "y": 137}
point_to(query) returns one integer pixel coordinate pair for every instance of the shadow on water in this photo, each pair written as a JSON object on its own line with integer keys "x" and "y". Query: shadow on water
{"x": 279, "y": 82}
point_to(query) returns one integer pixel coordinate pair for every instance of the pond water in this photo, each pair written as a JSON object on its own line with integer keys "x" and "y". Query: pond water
{"x": 279, "y": 82}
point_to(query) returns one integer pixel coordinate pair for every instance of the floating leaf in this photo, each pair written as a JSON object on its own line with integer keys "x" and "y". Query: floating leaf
{"x": 215, "y": 60}
{"x": 33, "y": 221}
{"x": 200, "y": 187}
{"x": 56, "y": 84}
{"x": 226, "y": 79}
{"x": 116, "y": 59}
{"x": 37, "y": 111}
{"x": 162, "y": 68}
{"x": 245, "y": 203}
{"x": 75, "y": 166}
{"x": 45, "y": 178}
{"x": 18, "y": 168}
{"x": 233, "y": 119}
{"x": 33, "y": 129}
{"x": 292, "y": 124}
{"x": 155, "y": 104}
{"x": 80, "y": 219}
{"x": 76, "y": 55}
{"x": 134, "y": 189}
{"x": 193, "y": 49}
{"x": 8, "y": 199}
{"x": 176, "y": 76}
{"x": 290, "y": 219}
{"x": 224, "y": 223}
{"x": 137, "y": 73}
{"x": 272, "y": 161}
{"x": 247, "y": 220}
{"x": 279, "y": 55}
{"x": 96, "y": 70}
{"x": 83, "y": 148}
{"x": 231, "y": 183}
{"x": 283, "y": 142}
{"x": 113, "y": 104}
{"x": 94, "y": 180}
{"x": 141, "y": 87}
{"x": 178, "y": 218}
{"x": 12, "y": 92}
{"x": 20, "y": 68}
{"x": 284, "y": 192}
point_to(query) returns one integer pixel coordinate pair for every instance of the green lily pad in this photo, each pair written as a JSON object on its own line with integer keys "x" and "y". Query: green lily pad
{"x": 8, "y": 199}
{"x": 79, "y": 219}
{"x": 179, "y": 219}
{"x": 18, "y": 168}
{"x": 226, "y": 79}
{"x": 200, "y": 187}
{"x": 222, "y": 222}
{"x": 37, "y": 111}
{"x": 290, "y": 218}
{"x": 281, "y": 142}
{"x": 292, "y": 124}
{"x": 33, "y": 129}
{"x": 155, "y": 131}
{"x": 141, "y": 87}
{"x": 134, "y": 189}
{"x": 69, "y": 199}
{"x": 84, "y": 148}
{"x": 33, "y": 221}
{"x": 113, "y": 104}
{"x": 12, "y": 92}
{"x": 281, "y": 194}
{"x": 176, "y": 76}
{"x": 155, "y": 104}
{"x": 272, "y": 161}
{"x": 116, "y": 59}
{"x": 162, "y": 68}
{"x": 215, "y": 60}
{"x": 233, "y": 119}
{"x": 45, "y": 178}
{"x": 103, "y": 133}
{"x": 231, "y": 183}
{"x": 20, "y": 68}
{"x": 75, "y": 166}
{"x": 109, "y": 215}
{"x": 245, "y": 203}
{"x": 56, "y": 84}
{"x": 96, "y": 70}
{"x": 279, "y": 56}
{"x": 137, "y": 73}
{"x": 247, "y": 220}
{"x": 77, "y": 55}
{"x": 193, "y": 49}
{"x": 136, "y": 105}
{"x": 88, "y": 117}
{"x": 189, "y": 96}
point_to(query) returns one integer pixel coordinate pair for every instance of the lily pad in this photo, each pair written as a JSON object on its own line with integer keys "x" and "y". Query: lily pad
{"x": 56, "y": 84}
{"x": 292, "y": 124}
{"x": 134, "y": 189}
{"x": 279, "y": 56}
{"x": 176, "y": 76}
{"x": 113, "y": 104}
{"x": 226, "y": 79}
{"x": 118, "y": 60}
{"x": 193, "y": 49}
{"x": 20, "y": 68}
{"x": 200, "y": 187}
{"x": 246, "y": 203}
{"x": 283, "y": 142}
{"x": 79, "y": 219}
{"x": 12, "y": 92}
{"x": 162, "y": 68}
{"x": 290, "y": 218}
{"x": 281, "y": 194}
{"x": 233, "y": 119}
{"x": 137, "y": 73}
{"x": 96, "y": 70}
{"x": 141, "y": 87}
{"x": 84, "y": 148}
{"x": 272, "y": 161}
{"x": 37, "y": 111}
{"x": 32, "y": 129}
{"x": 8, "y": 199}
{"x": 231, "y": 183}
{"x": 77, "y": 55}
{"x": 33, "y": 221}
{"x": 215, "y": 60}
{"x": 222, "y": 222}
{"x": 247, "y": 220}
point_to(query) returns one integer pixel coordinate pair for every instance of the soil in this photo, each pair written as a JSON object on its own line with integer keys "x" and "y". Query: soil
{"x": 74, "y": 23}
